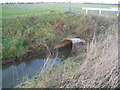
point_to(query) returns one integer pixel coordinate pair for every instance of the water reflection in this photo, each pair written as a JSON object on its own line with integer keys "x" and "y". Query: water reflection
{"x": 19, "y": 71}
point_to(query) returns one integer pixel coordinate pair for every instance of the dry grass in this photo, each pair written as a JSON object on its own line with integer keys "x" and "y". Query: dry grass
{"x": 100, "y": 69}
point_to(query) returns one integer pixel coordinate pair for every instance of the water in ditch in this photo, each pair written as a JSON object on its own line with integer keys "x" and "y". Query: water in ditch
{"x": 19, "y": 71}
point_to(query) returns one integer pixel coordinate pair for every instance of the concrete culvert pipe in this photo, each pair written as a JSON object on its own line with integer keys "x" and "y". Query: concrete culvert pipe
{"x": 69, "y": 42}
{"x": 65, "y": 47}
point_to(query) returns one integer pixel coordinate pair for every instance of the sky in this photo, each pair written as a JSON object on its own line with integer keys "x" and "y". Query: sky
{"x": 80, "y": 1}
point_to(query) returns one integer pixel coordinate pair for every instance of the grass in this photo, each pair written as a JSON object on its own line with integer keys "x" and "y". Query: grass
{"x": 33, "y": 9}
{"x": 74, "y": 5}
{"x": 23, "y": 29}
{"x": 97, "y": 68}
{"x": 22, "y": 33}
{"x": 14, "y": 10}
{"x": 25, "y": 26}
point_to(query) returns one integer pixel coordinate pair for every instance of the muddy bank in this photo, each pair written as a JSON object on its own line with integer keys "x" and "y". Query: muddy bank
{"x": 63, "y": 50}
{"x": 63, "y": 53}
{"x": 30, "y": 55}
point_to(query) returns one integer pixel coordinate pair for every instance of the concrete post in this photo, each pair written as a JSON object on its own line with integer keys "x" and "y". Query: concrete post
{"x": 117, "y": 14}
{"x": 86, "y": 10}
{"x": 100, "y": 12}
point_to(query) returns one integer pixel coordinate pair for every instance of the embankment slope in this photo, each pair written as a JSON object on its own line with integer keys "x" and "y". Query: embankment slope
{"x": 99, "y": 68}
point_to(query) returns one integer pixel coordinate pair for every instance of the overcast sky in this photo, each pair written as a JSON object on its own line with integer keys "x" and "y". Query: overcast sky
{"x": 96, "y": 1}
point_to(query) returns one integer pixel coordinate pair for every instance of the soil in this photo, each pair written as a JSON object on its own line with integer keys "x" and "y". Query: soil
{"x": 30, "y": 55}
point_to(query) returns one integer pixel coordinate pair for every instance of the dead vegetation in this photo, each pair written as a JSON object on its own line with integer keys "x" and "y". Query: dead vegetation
{"x": 100, "y": 68}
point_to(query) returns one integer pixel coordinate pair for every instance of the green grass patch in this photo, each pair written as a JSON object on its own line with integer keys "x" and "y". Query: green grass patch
{"x": 23, "y": 27}
{"x": 21, "y": 32}
{"x": 38, "y": 9}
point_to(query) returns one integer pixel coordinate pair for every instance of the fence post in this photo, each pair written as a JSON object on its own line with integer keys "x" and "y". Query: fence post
{"x": 117, "y": 14}
{"x": 86, "y": 10}
{"x": 100, "y": 12}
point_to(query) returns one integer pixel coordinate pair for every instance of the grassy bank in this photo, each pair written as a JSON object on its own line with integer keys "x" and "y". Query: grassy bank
{"x": 29, "y": 28}
{"x": 22, "y": 34}
{"x": 97, "y": 68}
